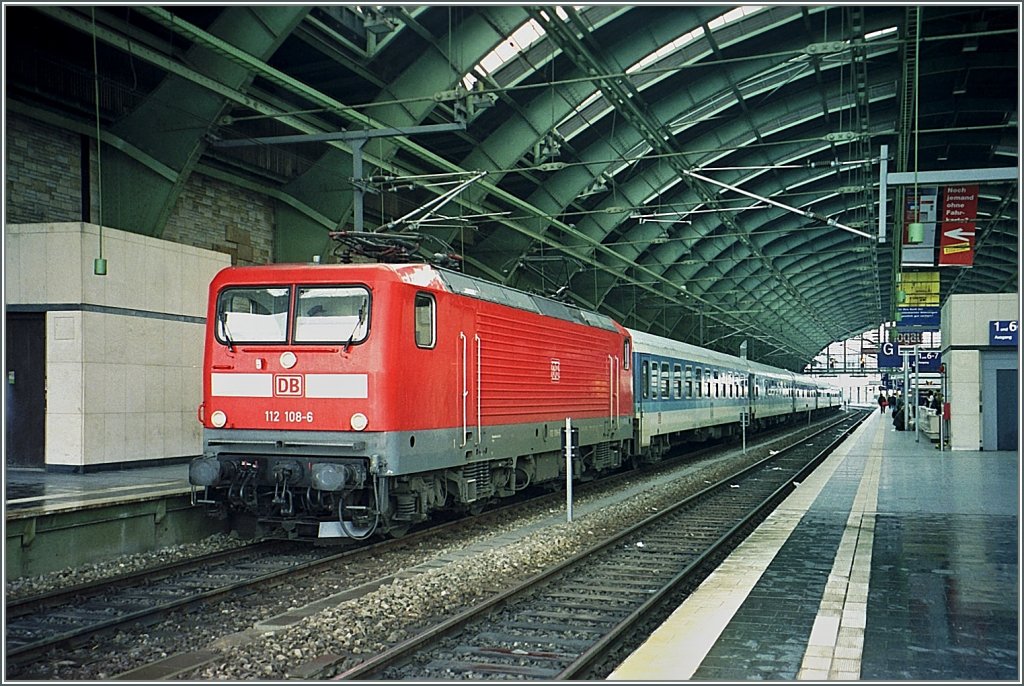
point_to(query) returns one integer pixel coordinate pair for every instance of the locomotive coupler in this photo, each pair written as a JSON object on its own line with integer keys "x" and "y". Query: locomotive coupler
{"x": 285, "y": 472}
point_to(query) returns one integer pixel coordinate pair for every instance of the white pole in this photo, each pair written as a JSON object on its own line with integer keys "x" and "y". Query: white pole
{"x": 906, "y": 386}
{"x": 917, "y": 394}
{"x": 568, "y": 469}
{"x": 942, "y": 405}
{"x": 744, "y": 417}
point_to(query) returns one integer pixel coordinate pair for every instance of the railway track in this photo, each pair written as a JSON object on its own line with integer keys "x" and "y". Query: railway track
{"x": 71, "y": 616}
{"x": 562, "y": 623}
{"x": 42, "y": 626}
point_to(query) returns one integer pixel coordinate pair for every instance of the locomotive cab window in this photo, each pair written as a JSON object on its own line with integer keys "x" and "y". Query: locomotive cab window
{"x": 331, "y": 314}
{"x": 424, "y": 326}
{"x": 252, "y": 315}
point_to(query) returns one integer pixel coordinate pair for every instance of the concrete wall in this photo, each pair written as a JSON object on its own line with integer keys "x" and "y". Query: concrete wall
{"x": 123, "y": 351}
{"x": 965, "y": 329}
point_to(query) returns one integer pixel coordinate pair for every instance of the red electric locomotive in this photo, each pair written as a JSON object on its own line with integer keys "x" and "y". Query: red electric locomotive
{"x": 340, "y": 400}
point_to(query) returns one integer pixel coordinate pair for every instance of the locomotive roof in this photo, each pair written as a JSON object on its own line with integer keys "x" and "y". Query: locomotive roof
{"x": 429, "y": 276}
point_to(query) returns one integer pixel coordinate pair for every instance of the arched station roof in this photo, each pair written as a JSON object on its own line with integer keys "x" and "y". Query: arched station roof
{"x": 707, "y": 172}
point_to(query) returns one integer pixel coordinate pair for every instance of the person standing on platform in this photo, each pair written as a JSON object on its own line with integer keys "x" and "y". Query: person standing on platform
{"x": 882, "y": 402}
{"x": 893, "y": 399}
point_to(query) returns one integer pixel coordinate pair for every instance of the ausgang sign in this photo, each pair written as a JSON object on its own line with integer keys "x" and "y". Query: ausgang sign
{"x": 1003, "y": 332}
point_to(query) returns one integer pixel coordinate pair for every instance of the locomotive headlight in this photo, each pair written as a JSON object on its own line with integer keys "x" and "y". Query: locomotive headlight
{"x": 287, "y": 359}
{"x": 218, "y": 418}
{"x": 359, "y": 421}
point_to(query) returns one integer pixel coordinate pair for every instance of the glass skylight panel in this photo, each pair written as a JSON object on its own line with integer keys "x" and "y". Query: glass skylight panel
{"x": 509, "y": 48}
{"x": 666, "y": 50}
{"x": 652, "y": 58}
{"x": 517, "y": 43}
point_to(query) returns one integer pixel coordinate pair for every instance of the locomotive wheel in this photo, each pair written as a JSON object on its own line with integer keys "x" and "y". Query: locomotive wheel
{"x": 399, "y": 531}
{"x": 356, "y": 531}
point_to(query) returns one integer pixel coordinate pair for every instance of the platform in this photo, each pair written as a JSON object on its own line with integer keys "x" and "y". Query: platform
{"x": 892, "y": 561}
{"x": 34, "y": 491}
{"x": 57, "y": 520}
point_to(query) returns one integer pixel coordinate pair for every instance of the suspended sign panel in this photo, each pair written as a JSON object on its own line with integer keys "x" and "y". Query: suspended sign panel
{"x": 959, "y": 210}
{"x": 919, "y": 288}
{"x": 923, "y": 318}
{"x": 890, "y": 357}
{"x": 924, "y": 212}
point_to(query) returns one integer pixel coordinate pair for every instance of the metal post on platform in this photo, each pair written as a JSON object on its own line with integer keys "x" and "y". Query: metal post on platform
{"x": 942, "y": 413}
{"x": 917, "y": 395}
{"x": 906, "y": 388}
{"x": 744, "y": 419}
{"x": 568, "y": 469}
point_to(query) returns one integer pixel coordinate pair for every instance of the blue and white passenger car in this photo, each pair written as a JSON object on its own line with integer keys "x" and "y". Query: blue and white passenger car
{"x": 685, "y": 393}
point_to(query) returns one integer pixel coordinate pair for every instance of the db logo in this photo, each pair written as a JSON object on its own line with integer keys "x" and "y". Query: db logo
{"x": 556, "y": 370}
{"x": 288, "y": 384}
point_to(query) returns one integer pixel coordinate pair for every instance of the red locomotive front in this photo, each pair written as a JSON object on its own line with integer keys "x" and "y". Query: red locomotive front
{"x": 345, "y": 399}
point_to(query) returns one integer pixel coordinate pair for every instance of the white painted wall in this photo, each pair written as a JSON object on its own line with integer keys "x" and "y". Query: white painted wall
{"x": 123, "y": 351}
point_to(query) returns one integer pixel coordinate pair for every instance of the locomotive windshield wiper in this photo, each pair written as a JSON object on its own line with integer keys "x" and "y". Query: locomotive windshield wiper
{"x": 222, "y": 316}
{"x": 355, "y": 329}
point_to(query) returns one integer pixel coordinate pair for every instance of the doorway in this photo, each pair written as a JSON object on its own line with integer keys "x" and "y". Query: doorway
{"x": 25, "y": 417}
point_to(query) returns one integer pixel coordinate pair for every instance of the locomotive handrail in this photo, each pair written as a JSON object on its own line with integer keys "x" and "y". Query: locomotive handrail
{"x": 618, "y": 392}
{"x": 465, "y": 391}
{"x": 611, "y": 393}
{"x": 479, "y": 420}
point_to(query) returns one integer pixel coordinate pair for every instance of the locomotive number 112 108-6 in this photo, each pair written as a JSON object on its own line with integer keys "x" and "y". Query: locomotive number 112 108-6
{"x": 291, "y": 416}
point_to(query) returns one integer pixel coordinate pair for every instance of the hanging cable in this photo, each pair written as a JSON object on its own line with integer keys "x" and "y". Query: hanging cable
{"x": 917, "y": 73}
{"x": 100, "y": 265}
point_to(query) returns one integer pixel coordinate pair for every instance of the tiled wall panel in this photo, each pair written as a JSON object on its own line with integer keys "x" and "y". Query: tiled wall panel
{"x": 123, "y": 350}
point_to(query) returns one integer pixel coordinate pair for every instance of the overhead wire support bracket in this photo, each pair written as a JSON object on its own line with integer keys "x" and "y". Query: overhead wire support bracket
{"x": 788, "y": 208}
{"x": 429, "y": 208}
{"x": 358, "y": 139}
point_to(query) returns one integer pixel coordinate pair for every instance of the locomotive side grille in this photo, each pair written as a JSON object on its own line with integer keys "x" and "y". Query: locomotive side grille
{"x": 604, "y": 457}
{"x": 540, "y": 369}
{"x": 478, "y": 481}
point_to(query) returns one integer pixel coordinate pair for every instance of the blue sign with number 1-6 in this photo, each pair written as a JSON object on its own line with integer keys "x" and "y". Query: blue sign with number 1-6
{"x": 1002, "y": 332}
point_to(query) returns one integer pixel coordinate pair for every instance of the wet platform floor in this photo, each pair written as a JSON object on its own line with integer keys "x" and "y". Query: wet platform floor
{"x": 894, "y": 561}
{"x": 39, "y": 490}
